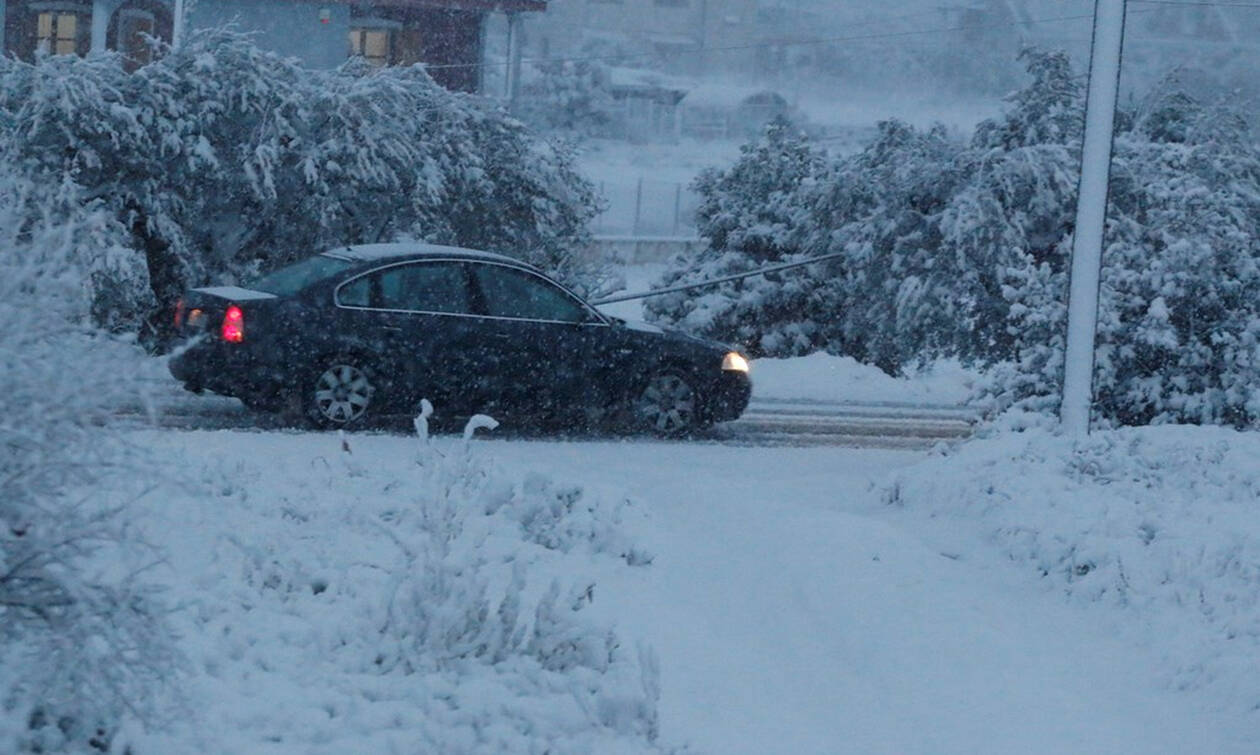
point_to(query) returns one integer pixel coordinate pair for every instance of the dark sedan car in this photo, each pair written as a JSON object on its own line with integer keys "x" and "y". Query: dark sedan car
{"x": 373, "y": 329}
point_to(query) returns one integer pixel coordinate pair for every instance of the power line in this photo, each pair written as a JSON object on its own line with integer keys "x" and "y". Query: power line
{"x": 782, "y": 43}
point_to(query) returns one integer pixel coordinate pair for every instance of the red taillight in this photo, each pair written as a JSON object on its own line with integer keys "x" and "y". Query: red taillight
{"x": 179, "y": 314}
{"x": 234, "y": 324}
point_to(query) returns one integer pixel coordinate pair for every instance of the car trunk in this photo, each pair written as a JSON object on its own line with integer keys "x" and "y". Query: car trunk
{"x": 205, "y": 311}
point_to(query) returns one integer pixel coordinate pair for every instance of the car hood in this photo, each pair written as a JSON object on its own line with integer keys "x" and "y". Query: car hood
{"x": 647, "y": 332}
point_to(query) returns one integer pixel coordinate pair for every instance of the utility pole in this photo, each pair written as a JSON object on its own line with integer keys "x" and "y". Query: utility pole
{"x": 177, "y": 30}
{"x": 512, "y": 79}
{"x": 1091, "y": 215}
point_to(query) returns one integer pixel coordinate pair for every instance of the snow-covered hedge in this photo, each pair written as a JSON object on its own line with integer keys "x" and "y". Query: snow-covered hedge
{"x": 83, "y": 642}
{"x": 1158, "y": 523}
{"x": 219, "y": 160}
{"x": 366, "y": 600}
{"x": 956, "y": 248}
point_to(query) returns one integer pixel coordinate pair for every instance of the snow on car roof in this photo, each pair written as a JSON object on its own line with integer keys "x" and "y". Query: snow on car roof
{"x": 371, "y": 252}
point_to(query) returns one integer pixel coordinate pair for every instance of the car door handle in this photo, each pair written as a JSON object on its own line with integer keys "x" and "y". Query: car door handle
{"x": 391, "y": 329}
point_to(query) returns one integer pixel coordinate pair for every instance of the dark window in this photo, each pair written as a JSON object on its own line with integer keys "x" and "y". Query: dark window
{"x": 135, "y": 27}
{"x": 425, "y": 287}
{"x": 515, "y": 293}
{"x": 357, "y": 293}
{"x": 289, "y": 280}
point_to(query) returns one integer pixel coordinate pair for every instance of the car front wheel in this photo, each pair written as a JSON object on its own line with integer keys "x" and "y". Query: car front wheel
{"x": 341, "y": 394}
{"x": 668, "y": 405}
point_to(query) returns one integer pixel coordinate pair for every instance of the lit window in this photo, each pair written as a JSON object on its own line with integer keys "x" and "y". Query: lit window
{"x": 373, "y": 45}
{"x": 58, "y": 32}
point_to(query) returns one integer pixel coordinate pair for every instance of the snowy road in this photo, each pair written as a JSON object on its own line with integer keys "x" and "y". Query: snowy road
{"x": 767, "y": 422}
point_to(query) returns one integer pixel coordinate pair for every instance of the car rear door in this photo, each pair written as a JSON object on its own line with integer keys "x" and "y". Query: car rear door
{"x": 539, "y": 340}
{"x": 420, "y": 313}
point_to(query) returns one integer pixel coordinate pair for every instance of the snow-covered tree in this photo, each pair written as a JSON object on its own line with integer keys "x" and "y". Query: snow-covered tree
{"x": 957, "y": 249}
{"x": 748, "y": 216}
{"x": 568, "y": 96}
{"x": 221, "y": 160}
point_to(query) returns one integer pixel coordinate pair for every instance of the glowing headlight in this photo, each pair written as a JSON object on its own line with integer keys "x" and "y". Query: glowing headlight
{"x": 735, "y": 362}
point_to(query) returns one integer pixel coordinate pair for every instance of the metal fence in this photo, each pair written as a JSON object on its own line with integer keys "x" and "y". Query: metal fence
{"x": 644, "y": 207}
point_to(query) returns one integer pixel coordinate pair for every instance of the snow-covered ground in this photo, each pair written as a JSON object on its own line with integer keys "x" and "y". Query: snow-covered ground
{"x": 1015, "y": 593}
{"x": 790, "y": 607}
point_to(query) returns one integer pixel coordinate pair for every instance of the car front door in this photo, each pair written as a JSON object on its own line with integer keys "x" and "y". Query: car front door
{"x": 537, "y": 346}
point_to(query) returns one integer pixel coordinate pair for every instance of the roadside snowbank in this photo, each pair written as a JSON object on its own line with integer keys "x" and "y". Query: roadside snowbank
{"x": 1158, "y": 523}
{"x": 825, "y": 377}
{"x": 343, "y": 601}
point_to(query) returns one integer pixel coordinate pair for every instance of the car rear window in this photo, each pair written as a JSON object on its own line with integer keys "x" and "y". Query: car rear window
{"x": 289, "y": 280}
{"x": 521, "y": 295}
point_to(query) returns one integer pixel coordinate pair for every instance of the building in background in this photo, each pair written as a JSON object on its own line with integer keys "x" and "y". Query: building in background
{"x": 448, "y": 35}
{"x": 684, "y": 37}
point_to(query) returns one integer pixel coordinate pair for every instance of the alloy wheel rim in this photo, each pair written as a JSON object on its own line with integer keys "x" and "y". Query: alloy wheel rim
{"x": 668, "y": 404}
{"x": 342, "y": 393}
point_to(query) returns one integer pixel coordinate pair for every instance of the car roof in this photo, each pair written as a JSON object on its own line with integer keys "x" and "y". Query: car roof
{"x": 414, "y": 250}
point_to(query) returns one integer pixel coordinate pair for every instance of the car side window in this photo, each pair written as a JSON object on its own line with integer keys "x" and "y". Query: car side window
{"x": 425, "y": 287}
{"x": 517, "y": 294}
{"x": 357, "y": 293}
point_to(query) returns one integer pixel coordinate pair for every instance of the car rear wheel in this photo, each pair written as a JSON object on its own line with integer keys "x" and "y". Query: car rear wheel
{"x": 668, "y": 405}
{"x": 341, "y": 394}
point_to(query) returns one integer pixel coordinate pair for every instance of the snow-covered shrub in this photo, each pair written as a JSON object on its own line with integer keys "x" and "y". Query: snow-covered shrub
{"x": 956, "y": 249}
{"x": 879, "y": 208}
{"x": 1179, "y": 319}
{"x": 83, "y": 645}
{"x": 221, "y": 160}
{"x": 748, "y": 215}
{"x": 379, "y": 604}
{"x": 1158, "y": 523}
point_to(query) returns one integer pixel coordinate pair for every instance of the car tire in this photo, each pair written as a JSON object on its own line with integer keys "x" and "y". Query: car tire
{"x": 341, "y": 394}
{"x": 667, "y": 405}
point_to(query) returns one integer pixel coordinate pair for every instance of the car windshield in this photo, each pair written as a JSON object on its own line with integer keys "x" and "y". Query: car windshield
{"x": 292, "y": 279}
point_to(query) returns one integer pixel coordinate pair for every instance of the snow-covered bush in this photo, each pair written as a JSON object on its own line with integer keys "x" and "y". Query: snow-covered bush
{"x": 1179, "y": 319}
{"x": 1158, "y": 523}
{"x": 378, "y": 602}
{"x": 955, "y": 249}
{"x": 220, "y": 160}
{"x": 748, "y": 215}
{"x": 83, "y": 645}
